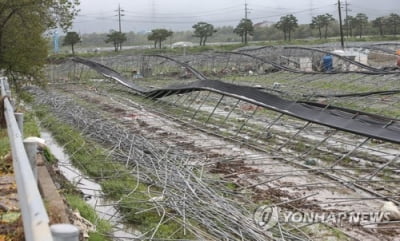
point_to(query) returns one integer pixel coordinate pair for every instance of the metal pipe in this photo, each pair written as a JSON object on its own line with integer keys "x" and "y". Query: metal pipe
{"x": 35, "y": 219}
{"x": 20, "y": 121}
{"x": 215, "y": 108}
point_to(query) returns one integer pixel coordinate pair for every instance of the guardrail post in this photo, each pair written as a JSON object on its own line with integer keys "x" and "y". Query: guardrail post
{"x": 64, "y": 232}
{"x": 20, "y": 121}
{"x": 31, "y": 151}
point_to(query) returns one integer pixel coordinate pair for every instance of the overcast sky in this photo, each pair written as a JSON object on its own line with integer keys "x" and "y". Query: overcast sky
{"x": 143, "y": 15}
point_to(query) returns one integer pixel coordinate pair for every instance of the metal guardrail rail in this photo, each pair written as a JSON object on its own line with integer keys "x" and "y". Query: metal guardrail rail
{"x": 34, "y": 215}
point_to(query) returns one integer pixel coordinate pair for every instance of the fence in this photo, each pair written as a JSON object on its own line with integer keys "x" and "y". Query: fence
{"x": 34, "y": 215}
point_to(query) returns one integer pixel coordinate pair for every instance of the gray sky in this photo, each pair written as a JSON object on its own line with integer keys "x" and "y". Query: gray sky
{"x": 143, "y": 15}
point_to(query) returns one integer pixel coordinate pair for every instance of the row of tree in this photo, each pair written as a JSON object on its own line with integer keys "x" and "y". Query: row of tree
{"x": 202, "y": 30}
{"x": 115, "y": 37}
{"x": 386, "y": 25}
{"x": 352, "y": 24}
{"x": 118, "y": 38}
{"x": 324, "y": 25}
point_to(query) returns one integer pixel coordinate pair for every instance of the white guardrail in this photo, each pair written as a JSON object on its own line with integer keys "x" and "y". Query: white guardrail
{"x": 34, "y": 215}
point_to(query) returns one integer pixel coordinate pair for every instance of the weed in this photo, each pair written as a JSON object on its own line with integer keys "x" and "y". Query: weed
{"x": 49, "y": 157}
{"x": 88, "y": 213}
{"x": 116, "y": 180}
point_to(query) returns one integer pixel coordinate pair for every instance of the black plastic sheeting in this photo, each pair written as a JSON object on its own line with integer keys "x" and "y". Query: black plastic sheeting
{"x": 352, "y": 121}
{"x": 109, "y": 73}
{"x": 360, "y": 94}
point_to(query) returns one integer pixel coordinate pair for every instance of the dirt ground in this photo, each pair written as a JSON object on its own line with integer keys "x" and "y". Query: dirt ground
{"x": 10, "y": 216}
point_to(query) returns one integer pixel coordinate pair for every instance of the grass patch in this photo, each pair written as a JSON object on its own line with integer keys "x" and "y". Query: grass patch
{"x": 25, "y": 96}
{"x": 49, "y": 157}
{"x": 30, "y": 129}
{"x": 5, "y": 167}
{"x": 4, "y": 143}
{"x": 337, "y": 233}
{"x": 86, "y": 211}
{"x": 30, "y": 126}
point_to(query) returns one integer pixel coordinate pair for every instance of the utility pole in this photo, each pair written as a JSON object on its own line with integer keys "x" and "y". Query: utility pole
{"x": 119, "y": 10}
{"x": 347, "y": 18}
{"x": 340, "y": 24}
{"x": 246, "y": 10}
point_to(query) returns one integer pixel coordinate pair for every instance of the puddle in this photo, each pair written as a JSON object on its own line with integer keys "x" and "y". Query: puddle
{"x": 91, "y": 190}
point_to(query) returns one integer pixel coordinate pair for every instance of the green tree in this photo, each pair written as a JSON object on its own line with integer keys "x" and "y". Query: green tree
{"x": 244, "y": 29}
{"x": 158, "y": 36}
{"x": 23, "y": 41}
{"x": 287, "y": 24}
{"x": 72, "y": 38}
{"x": 350, "y": 23}
{"x": 322, "y": 22}
{"x": 379, "y": 23}
{"x": 393, "y": 22}
{"x": 361, "y": 21}
{"x": 116, "y": 38}
{"x": 203, "y": 30}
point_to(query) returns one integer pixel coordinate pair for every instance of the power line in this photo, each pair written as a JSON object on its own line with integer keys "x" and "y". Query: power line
{"x": 363, "y": 7}
{"x": 225, "y": 20}
{"x": 216, "y": 10}
{"x": 180, "y": 20}
{"x": 127, "y": 13}
{"x": 219, "y": 12}
{"x": 141, "y": 15}
{"x": 315, "y": 5}
{"x": 141, "y": 18}
{"x": 169, "y": 13}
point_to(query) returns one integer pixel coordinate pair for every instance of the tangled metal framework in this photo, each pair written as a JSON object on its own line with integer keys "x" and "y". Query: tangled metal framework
{"x": 260, "y": 61}
{"x": 295, "y": 147}
{"x": 182, "y": 190}
{"x": 352, "y": 121}
{"x": 304, "y": 59}
{"x": 355, "y": 121}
